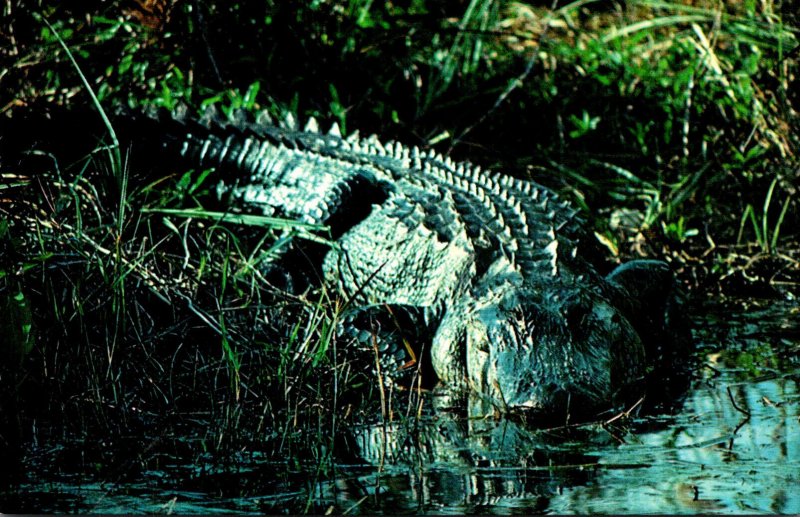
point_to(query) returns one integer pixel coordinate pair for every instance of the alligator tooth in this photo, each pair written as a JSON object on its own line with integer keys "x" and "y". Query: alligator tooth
{"x": 185, "y": 146}
{"x": 428, "y": 313}
{"x": 335, "y": 131}
{"x": 311, "y": 126}
{"x": 389, "y": 148}
{"x": 353, "y": 137}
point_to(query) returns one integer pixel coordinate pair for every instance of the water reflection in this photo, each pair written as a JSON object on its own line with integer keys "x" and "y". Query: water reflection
{"x": 732, "y": 446}
{"x": 714, "y": 457}
{"x": 453, "y": 464}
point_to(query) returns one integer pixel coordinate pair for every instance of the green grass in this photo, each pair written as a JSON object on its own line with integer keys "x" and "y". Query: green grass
{"x": 767, "y": 234}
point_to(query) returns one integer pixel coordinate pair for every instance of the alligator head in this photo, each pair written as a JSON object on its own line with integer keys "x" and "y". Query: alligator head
{"x": 535, "y": 350}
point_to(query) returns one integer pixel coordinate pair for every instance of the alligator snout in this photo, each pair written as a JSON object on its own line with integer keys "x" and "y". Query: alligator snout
{"x": 568, "y": 356}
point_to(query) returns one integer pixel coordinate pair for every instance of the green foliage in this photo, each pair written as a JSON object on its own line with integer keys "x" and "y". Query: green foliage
{"x": 693, "y": 78}
{"x": 583, "y": 125}
{"x": 465, "y": 54}
{"x": 230, "y": 101}
{"x": 677, "y": 230}
{"x": 766, "y": 235}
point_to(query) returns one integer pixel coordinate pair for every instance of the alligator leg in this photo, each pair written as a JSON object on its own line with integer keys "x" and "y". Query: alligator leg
{"x": 398, "y": 334}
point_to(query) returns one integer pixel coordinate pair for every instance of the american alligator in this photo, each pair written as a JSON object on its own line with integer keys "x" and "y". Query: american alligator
{"x": 493, "y": 264}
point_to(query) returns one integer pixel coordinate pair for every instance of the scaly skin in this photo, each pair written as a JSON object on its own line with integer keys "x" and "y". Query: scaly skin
{"x": 494, "y": 263}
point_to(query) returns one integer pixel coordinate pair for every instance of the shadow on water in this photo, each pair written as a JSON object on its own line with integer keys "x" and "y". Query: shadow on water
{"x": 732, "y": 446}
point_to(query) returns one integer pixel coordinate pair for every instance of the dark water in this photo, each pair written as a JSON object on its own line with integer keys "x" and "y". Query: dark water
{"x": 731, "y": 446}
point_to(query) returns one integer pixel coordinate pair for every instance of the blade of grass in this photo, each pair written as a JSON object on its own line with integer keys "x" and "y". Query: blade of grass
{"x": 261, "y": 221}
{"x": 777, "y": 231}
{"x": 647, "y": 25}
{"x": 765, "y": 213}
{"x": 116, "y": 157}
{"x": 245, "y": 219}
